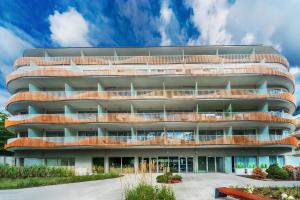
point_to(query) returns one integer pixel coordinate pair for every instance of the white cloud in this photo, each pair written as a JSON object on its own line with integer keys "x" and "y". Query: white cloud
{"x": 210, "y": 18}
{"x": 295, "y": 70}
{"x": 249, "y": 38}
{"x": 166, "y": 14}
{"x": 69, "y": 28}
{"x": 4, "y": 95}
{"x": 11, "y": 47}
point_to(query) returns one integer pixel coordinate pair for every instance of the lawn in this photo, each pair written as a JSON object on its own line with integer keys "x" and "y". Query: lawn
{"x": 15, "y": 183}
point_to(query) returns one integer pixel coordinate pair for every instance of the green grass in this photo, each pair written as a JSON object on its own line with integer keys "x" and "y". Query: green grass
{"x": 9, "y": 183}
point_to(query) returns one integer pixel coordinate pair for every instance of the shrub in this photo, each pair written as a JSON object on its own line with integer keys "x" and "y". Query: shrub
{"x": 239, "y": 165}
{"x": 145, "y": 191}
{"x": 275, "y": 172}
{"x": 251, "y": 165}
{"x": 168, "y": 178}
{"x": 177, "y": 177}
{"x": 162, "y": 178}
{"x": 298, "y": 172}
{"x": 263, "y": 166}
{"x": 34, "y": 171}
{"x": 289, "y": 169}
{"x": 259, "y": 173}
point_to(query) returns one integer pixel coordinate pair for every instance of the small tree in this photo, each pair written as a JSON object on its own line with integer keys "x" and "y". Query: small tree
{"x": 4, "y": 135}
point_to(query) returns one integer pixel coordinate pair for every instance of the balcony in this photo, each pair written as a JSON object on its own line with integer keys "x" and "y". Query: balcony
{"x": 69, "y": 71}
{"x": 120, "y": 142}
{"x": 152, "y": 60}
{"x": 49, "y": 96}
{"x": 267, "y": 117}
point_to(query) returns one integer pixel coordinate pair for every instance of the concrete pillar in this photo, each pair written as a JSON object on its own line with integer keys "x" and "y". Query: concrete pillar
{"x": 229, "y": 131}
{"x": 132, "y": 90}
{"x": 100, "y": 87}
{"x": 228, "y": 164}
{"x": 68, "y": 89}
{"x": 165, "y": 112}
{"x": 264, "y": 133}
{"x": 136, "y": 164}
{"x": 228, "y": 108}
{"x": 132, "y": 109}
{"x": 197, "y": 108}
{"x": 263, "y": 87}
{"x": 33, "y": 88}
{"x": 133, "y": 134}
{"x": 83, "y": 165}
{"x": 197, "y": 134}
{"x": 195, "y": 160}
{"x": 228, "y": 86}
{"x": 101, "y": 109}
{"x": 69, "y": 110}
{"x": 70, "y": 134}
{"x": 196, "y": 88}
{"x": 101, "y": 132}
{"x": 33, "y": 133}
{"x": 106, "y": 164}
{"x": 32, "y": 110}
{"x": 264, "y": 107}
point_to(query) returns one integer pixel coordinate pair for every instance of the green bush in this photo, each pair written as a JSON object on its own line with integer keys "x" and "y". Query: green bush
{"x": 168, "y": 178}
{"x": 34, "y": 171}
{"x": 276, "y": 172}
{"x": 145, "y": 191}
{"x": 163, "y": 178}
{"x": 15, "y": 183}
{"x": 263, "y": 166}
{"x": 239, "y": 165}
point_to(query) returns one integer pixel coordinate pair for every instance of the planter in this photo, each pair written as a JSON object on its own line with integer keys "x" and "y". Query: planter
{"x": 240, "y": 171}
{"x": 175, "y": 181}
{"x": 249, "y": 171}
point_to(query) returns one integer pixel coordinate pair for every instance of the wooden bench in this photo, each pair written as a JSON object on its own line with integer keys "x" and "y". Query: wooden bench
{"x": 235, "y": 193}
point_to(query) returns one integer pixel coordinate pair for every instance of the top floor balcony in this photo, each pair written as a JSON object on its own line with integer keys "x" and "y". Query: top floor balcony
{"x": 152, "y": 60}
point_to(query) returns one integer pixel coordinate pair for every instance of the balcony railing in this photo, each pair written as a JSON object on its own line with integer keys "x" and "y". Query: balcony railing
{"x": 149, "y": 118}
{"x": 150, "y": 94}
{"x": 118, "y": 142}
{"x": 186, "y": 71}
{"x": 153, "y": 60}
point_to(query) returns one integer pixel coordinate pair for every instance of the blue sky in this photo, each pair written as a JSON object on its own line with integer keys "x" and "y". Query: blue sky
{"x": 57, "y": 23}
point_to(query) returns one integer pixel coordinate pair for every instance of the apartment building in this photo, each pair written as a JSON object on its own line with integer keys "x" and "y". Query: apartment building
{"x": 182, "y": 109}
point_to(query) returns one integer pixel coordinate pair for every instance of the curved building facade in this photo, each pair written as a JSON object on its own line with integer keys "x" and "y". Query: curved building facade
{"x": 183, "y": 109}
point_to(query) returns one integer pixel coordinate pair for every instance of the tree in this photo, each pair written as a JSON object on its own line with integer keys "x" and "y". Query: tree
{"x": 4, "y": 135}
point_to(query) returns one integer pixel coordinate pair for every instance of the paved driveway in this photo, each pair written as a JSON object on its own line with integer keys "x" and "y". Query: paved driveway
{"x": 194, "y": 186}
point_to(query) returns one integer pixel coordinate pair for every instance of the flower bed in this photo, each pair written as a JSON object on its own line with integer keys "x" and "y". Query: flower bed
{"x": 169, "y": 178}
{"x": 260, "y": 193}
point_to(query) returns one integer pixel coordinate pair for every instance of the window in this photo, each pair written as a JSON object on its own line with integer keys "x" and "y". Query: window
{"x": 65, "y": 162}
{"x": 276, "y": 134}
{"x": 55, "y": 133}
{"x": 87, "y": 133}
{"x": 247, "y": 132}
{"x": 23, "y": 134}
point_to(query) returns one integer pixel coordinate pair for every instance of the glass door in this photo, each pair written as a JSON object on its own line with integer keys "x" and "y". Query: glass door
{"x": 162, "y": 164}
{"x": 173, "y": 162}
{"x": 220, "y": 164}
{"x": 202, "y": 164}
{"x": 211, "y": 164}
{"x": 182, "y": 162}
{"x": 190, "y": 164}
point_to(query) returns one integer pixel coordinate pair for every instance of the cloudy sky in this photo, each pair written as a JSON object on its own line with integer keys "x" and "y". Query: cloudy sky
{"x": 65, "y": 23}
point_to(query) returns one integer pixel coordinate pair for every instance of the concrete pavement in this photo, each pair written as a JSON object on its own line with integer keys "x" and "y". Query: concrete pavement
{"x": 194, "y": 186}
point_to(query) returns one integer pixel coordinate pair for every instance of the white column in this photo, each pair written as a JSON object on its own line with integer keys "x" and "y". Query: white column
{"x": 106, "y": 164}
